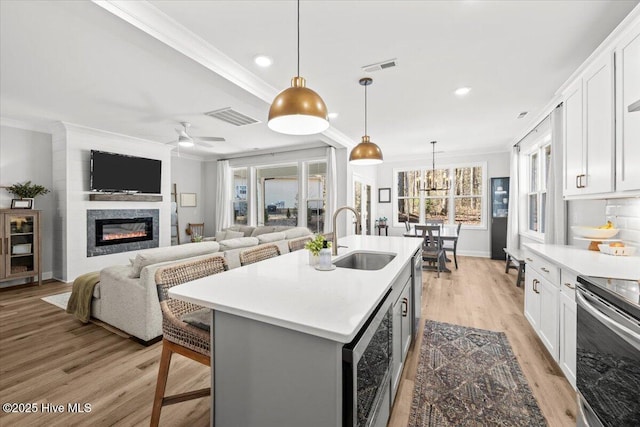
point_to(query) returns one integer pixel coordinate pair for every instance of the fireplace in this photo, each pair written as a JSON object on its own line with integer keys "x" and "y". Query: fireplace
{"x": 123, "y": 230}
{"x": 111, "y": 231}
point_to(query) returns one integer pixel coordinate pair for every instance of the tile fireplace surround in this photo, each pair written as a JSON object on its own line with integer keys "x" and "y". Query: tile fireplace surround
{"x": 124, "y": 214}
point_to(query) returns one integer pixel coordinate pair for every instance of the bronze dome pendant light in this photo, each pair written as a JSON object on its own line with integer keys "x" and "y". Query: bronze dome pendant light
{"x": 298, "y": 110}
{"x": 366, "y": 152}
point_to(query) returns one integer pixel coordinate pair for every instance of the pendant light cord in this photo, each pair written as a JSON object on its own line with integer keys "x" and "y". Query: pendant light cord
{"x": 298, "y": 38}
{"x": 365, "y": 109}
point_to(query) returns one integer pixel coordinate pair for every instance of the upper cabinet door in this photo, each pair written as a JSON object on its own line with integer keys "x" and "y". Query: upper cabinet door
{"x": 573, "y": 130}
{"x": 628, "y": 122}
{"x": 598, "y": 114}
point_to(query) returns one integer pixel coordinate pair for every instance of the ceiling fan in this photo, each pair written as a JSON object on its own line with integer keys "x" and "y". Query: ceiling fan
{"x": 187, "y": 140}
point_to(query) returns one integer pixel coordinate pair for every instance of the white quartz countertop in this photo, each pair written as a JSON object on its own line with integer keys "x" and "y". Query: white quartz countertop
{"x": 589, "y": 263}
{"x": 286, "y": 291}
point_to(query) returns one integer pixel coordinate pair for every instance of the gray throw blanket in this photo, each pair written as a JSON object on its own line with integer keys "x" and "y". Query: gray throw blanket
{"x": 80, "y": 301}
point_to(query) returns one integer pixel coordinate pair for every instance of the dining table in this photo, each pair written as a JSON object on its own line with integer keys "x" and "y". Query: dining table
{"x": 447, "y": 233}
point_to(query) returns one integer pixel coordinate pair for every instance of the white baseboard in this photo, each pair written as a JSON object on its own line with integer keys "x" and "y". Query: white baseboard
{"x": 478, "y": 254}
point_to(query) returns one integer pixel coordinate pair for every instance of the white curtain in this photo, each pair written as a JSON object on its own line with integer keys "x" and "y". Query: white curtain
{"x": 513, "y": 229}
{"x": 555, "y": 211}
{"x": 223, "y": 205}
{"x": 332, "y": 188}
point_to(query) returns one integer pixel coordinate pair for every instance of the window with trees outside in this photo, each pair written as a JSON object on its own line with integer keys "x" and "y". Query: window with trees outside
{"x": 453, "y": 194}
{"x": 539, "y": 160}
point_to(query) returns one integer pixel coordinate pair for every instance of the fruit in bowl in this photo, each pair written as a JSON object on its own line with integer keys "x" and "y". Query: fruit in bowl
{"x": 606, "y": 231}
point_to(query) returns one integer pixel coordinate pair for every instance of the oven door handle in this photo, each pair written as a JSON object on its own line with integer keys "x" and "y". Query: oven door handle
{"x": 625, "y": 333}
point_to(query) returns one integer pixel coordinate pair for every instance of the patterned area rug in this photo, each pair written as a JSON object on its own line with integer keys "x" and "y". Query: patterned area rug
{"x": 470, "y": 377}
{"x": 59, "y": 300}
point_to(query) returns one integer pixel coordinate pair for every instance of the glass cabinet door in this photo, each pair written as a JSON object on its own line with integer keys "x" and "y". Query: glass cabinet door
{"x": 20, "y": 232}
{"x": 500, "y": 197}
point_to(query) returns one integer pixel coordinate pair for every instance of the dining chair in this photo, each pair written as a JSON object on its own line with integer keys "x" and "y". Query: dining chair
{"x": 258, "y": 253}
{"x": 195, "y": 229}
{"x": 297, "y": 244}
{"x": 452, "y": 245}
{"x": 432, "y": 251}
{"x": 185, "y": 327}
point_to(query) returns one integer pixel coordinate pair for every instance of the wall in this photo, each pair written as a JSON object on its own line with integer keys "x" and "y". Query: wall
{"x": 188, "y": 175}
{"x": 25, "y": 155}
{"x": 473, "y": 242}
{"x": 72, "y": 147}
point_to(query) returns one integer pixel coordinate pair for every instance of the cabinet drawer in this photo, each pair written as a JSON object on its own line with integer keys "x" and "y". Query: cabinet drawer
{"x": 546, "y": 268}
{"x": 568, "y": 281}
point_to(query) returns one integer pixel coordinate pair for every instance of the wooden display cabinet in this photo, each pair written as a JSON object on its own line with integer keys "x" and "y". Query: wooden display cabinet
{"x": 20, "y": 244}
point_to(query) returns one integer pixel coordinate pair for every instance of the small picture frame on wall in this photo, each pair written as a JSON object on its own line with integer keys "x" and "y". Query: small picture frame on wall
{"x": 188, "y": 200}
{"x": 21, "y": 203}
{"x": 384, "y": 195}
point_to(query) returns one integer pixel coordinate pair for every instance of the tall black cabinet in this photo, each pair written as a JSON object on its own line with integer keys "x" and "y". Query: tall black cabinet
{"x": 499, "y": 215}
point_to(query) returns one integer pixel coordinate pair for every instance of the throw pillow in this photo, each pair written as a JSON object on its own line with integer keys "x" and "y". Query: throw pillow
{"x": 233, "y": 234}
{"x": 220, "y": 235}
{"x": 296, "y": 232}
{"x": 271, "y": 237}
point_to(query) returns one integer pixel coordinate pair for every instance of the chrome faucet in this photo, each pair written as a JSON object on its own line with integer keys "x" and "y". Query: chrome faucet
{"x": 334, "y": 247}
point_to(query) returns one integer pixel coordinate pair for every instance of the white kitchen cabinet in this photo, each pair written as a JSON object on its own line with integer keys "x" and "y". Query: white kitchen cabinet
{"x": 627, "y": 54}
{"x": 532, "y": 299}
{"x": 589, "y": 134}
{"x": 568, "y": 324}
{"x": 548, "y": 329}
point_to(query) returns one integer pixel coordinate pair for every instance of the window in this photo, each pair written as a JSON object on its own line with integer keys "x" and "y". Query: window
{"x": 240, "y": 196}
{"x": 538, "y": 160}
{"x": 460, "y": 198}
{"x": 316, "y": 196}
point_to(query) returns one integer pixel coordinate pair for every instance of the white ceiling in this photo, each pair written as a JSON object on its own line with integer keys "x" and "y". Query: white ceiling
{"x": 74, "y": 61}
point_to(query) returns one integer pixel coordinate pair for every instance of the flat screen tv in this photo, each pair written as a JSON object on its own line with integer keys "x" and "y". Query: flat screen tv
{"x": 111, "y": 172}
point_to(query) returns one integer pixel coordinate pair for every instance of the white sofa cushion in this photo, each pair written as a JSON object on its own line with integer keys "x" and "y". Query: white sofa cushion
{"x": 271, "y": 237}
{"x": 240, "y": 242}
{"x": 228, "y": 234}
{"x": 171, "y": 253}
{"x": 246, "y": 229}
{"x": 294, "y": 233}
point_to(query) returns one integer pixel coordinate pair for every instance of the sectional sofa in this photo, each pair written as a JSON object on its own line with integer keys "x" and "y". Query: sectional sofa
{"x": 126, "y": 296}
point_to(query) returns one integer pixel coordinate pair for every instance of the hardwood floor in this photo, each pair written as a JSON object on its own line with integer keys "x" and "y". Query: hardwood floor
{"x": 48, "y": 357}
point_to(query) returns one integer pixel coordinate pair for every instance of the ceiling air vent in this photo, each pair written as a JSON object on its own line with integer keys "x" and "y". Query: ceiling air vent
{"x": 230, "y": 115}
{"x": 389, "y": 63}
{"x": 521, "y": 115}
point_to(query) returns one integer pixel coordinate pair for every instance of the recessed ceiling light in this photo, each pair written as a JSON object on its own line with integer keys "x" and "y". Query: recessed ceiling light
{"x": 333, "y": 115}
{"x": 263, "y": 61}
{"x": 462, "y": 91}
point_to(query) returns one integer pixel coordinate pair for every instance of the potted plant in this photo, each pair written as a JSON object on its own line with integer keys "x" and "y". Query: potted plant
{"x": 27, "y": 190}
{"x": 314, "y": 246}
{"x": 382, "y": 221}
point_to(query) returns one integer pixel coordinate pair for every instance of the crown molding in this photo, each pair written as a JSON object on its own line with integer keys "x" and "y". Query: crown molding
{"x": 40, "y": 126}
{"x": 151, "y": 20}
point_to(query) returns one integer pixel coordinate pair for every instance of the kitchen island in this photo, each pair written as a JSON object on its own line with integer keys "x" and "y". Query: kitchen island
{"x": 279, "y": 328}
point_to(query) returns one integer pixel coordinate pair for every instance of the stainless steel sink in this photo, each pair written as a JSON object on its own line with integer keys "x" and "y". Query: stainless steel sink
{"x": 364, "y": 260}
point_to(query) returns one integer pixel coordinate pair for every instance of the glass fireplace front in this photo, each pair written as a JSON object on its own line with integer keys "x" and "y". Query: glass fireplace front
{"x": 123, "y": 230}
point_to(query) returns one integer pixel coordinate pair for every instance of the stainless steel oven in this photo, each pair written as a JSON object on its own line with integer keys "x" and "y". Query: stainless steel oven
{"x": 366, "y": 371}
{"x": 608, "y": 352}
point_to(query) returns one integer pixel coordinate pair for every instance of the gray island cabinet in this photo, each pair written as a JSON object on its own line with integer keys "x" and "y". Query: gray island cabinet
{"x": 283, "y": 334}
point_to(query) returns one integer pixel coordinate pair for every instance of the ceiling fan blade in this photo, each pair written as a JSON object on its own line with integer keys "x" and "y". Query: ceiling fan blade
{"x": 209, "y": 138}
{"x": 204, "y": 144}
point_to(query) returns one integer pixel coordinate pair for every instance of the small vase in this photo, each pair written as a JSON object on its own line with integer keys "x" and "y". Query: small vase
{"x": 313, "y": 259}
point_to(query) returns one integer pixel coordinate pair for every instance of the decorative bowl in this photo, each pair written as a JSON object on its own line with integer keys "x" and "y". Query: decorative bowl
{"x": 593, "y": 232}
{"x": 616, "y": 250}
